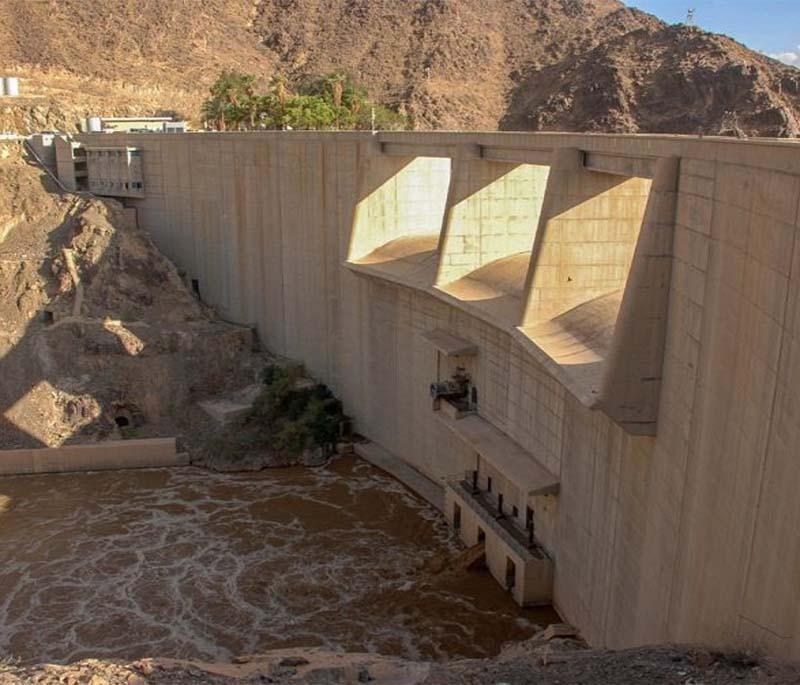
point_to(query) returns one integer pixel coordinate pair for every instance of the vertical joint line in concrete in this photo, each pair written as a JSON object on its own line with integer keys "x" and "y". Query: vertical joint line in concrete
{"x": 768, "y": 445}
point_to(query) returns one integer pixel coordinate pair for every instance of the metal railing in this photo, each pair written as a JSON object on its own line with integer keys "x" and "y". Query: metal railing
{"x": 468, "y": 483}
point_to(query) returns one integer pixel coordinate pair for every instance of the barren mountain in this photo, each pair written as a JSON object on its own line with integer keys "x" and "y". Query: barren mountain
{"x": 459, "y": 64}
{"x": 675, "y": 79}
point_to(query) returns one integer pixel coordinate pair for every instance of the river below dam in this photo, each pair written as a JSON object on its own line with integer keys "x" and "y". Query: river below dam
{"x": 193, "y": 564}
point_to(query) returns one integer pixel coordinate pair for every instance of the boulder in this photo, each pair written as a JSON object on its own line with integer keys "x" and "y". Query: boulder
{"x": 559, "y": 630}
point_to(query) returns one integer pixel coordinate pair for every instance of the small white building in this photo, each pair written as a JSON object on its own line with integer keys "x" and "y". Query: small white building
{"x": 43, "y": 145}
{"x": 96, "y": 124}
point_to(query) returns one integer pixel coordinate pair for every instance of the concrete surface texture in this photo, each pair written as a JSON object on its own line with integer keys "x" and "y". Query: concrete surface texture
{"x": 649, "y": 359}
{"x": 526, "y": 574}
{"x": 111, "y": 454}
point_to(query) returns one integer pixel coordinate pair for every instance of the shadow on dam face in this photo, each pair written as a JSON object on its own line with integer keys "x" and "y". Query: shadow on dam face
{"x": 184, "y": 563}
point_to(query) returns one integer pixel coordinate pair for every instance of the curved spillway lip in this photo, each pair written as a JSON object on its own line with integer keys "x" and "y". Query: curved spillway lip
{"x": 573, "y": 346}
{"x": 576, "y": 344}
{"x": 583, "y": 334}
{"x": 496, "y": 288}
{"x": 410, "y": 260}
{"x": 505, "y": 275}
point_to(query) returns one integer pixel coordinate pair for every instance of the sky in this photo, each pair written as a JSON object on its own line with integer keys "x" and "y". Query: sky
{"x": 770, "y": 26}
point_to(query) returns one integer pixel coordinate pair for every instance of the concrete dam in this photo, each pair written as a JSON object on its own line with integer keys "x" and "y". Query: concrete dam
{"x": 590, "y": 342}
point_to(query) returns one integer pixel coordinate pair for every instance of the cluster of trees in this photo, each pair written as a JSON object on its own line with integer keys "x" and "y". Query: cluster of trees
{"x": 331, "y": 102}
{"x": 288, "y": 421}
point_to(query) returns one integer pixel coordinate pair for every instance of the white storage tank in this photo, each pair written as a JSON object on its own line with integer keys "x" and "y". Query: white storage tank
{"x": 11, "y": 86}
{"x": 94, "y": 125}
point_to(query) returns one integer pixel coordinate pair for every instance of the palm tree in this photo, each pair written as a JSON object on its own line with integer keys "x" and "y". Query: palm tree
{"x": 231, "y": 100}
{"x": 279, "y": 90}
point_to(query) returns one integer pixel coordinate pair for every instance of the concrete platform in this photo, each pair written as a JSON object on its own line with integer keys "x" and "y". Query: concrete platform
{"x": 102, "y": 456}
{"x": 511, "y": 460}
{"x": 429, "y": 490}
{"x": 225, "y": 410}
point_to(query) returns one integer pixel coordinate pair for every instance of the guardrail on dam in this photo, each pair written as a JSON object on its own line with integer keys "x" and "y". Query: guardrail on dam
{"x": 610, "y": 325}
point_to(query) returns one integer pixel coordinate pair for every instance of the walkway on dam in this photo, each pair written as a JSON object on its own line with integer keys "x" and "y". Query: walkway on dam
{"x": 426, "y": 488}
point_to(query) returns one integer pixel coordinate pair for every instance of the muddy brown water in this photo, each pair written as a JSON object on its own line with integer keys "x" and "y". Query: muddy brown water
{"x": 187, "y": 563}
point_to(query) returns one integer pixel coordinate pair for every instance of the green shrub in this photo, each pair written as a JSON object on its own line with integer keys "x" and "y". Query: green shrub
{"x": 292, "y": 438}
{"x": 273, "y": 373}
{"x": 289, "y": 419}
{"x": 129, "y": 432}
{"x": 334, "y": 101}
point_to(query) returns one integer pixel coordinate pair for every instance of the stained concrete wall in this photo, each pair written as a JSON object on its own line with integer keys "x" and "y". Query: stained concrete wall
{"x": 688, "y": 535}
{"x": 587, "y": 234}
{"x": 401, "y": 197}
{"x": 109, "y": 455}
{"x": 494, "y": 209}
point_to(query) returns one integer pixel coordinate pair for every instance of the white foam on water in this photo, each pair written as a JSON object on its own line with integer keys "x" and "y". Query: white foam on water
{"x": 186, "y": 563}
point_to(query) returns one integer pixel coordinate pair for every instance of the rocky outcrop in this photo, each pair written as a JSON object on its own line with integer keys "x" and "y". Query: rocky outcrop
{"x": 663, "y": 79}
{"x": 541, "y": 661}
{"x": 99, "y": 336}
{"x": 288, "y": 420}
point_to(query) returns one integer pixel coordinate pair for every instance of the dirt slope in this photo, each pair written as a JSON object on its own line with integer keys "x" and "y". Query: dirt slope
{"x": 149, "y": 43}
{"x": 457, "y": 64}
{"x": 144, "y": 57}
{"x": 96, "y": 324}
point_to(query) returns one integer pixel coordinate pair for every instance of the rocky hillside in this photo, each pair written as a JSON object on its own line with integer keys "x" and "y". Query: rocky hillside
{"x": 674, "y": 79}
{"x": 452, "y": 63}
{"x": 147, "y": 57}
{"x": 586, "y": 65}
{"x": 90, "y": 314}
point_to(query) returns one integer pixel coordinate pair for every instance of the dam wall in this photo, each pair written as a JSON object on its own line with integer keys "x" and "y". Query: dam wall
{"x": 627, "y": 309}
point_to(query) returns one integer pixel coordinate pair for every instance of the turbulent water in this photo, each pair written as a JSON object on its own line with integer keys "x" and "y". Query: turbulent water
{"x": 187, "y": 563}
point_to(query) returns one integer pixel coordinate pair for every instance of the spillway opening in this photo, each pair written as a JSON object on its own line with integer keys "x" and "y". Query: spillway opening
{"x": 399, "y": 218}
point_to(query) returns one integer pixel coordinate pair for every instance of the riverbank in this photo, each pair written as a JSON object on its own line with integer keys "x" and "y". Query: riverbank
{"x": 536, "y": 661}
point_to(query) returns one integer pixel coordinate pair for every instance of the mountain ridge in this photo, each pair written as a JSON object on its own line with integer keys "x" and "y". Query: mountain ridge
{"x": 579, "y": 65}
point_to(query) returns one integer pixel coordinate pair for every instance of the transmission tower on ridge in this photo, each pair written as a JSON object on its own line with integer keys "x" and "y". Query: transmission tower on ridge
{"x": 690, "y": 17}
